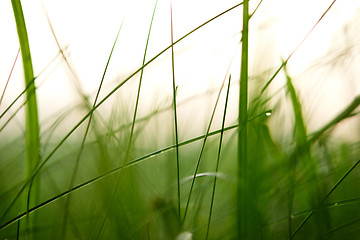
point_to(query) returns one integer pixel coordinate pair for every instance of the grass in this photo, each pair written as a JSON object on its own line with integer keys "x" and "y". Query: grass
{"x": 244, "y": 198}
{"x": 32, "y": 131}
{"x": 133, "y": 173}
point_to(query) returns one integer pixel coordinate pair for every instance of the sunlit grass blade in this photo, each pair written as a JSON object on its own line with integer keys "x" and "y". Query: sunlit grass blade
{"x": 218, "y": 160}
{"x": 32, "y": 136}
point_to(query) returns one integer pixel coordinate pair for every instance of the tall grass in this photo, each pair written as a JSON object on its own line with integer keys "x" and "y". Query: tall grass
{"x": 32, "y": 135}
{"x": 133, "y": 173}
{"x": 243, "y": 181}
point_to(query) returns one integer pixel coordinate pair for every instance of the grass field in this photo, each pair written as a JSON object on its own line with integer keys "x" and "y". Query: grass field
{"x": 192, "y": 143}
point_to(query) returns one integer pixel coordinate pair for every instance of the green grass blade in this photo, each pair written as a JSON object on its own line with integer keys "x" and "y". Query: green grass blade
{"x": 205, "y": 139}
{"x": 302, "y": 146}
{"x": 139, "y": 87}
{"x": 218, "y": 160}
{"x": 32, "y": 136}
{"x": 175, "y": 116}
{"x": 32, "y": 122}
{"x": 72, "y": 182}
{"x": 132, "y": 124}
{"x": 242, "y": 135}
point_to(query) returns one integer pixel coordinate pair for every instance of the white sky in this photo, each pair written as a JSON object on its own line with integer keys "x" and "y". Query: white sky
{"x": 89, "y": 28}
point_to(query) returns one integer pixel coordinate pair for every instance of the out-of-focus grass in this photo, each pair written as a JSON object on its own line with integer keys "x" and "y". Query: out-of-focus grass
{"x": 130, "y": 185}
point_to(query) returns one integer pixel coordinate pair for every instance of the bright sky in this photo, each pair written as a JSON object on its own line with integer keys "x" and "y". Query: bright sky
{"x": 88, "y": 29}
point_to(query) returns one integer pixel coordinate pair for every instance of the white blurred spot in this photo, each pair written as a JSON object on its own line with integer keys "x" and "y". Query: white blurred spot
{"x": 184, "y": 236}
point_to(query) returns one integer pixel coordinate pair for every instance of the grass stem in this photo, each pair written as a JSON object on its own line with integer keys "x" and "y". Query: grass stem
{"x": 32, "y": 135}
{"x": 242, "y": 137}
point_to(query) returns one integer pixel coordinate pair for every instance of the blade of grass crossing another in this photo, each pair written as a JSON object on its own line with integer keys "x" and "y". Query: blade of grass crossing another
{"x": 218, "y": 160}
{"x": 133, "y": 120}
{"x": 205, "y": 139}
{"x": 324, "y": 199}
{"x": 85, "y": 136}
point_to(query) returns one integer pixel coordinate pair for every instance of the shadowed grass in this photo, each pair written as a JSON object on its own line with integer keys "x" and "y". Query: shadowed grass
{"x": 324, "y": 199}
